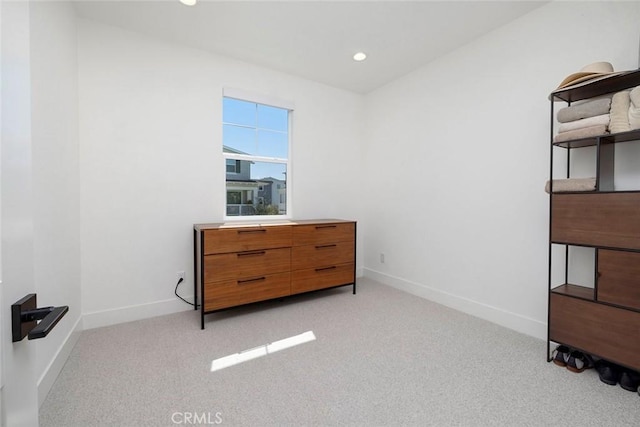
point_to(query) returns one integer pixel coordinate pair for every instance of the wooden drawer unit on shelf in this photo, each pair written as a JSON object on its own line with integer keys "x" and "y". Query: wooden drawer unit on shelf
{"x": 322, "y": 256}
{"x": 599, "y": 329}
{"x": 238, "y": 264}
{"x": 600, "y": 219}
{"x": 618, "y": 278}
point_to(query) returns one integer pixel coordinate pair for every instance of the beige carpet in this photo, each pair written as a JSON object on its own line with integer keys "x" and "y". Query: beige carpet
{"x": 380, "y": 358}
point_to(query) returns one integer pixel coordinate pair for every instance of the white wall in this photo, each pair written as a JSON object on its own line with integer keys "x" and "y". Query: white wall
{"x": 55, "y": 171}
{"x": 151, "y": 164}
{"x": 459, "y": 149}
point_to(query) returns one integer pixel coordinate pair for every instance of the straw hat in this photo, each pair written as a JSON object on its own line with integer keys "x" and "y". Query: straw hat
{"x": 591, "y": 71}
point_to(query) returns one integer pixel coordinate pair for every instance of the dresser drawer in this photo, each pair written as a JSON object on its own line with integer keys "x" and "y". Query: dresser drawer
{"x": 323, "y": 233}
{"x": 220, "y": 267}
{"x": 311, "y": 256}
{"x": 322, "y": 277}
{"x": 243, "y": 291}
{"x": 619, "y": 278}
{"x": 238, "y": 239}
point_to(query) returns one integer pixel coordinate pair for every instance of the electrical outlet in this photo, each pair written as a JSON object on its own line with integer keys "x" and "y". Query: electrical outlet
{"x": 180, "y": 275}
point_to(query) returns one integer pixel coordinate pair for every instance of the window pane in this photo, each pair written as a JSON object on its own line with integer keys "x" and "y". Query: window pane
{"x": 261, "y": 170}
{"x": 261, "y": 191}
{"x": 238, "y": 112}
{"x": 273, "y": 144}
{"x": 239, "y": 139}
{"x": 233, "y": 197}
{"x": 273, "y": 118}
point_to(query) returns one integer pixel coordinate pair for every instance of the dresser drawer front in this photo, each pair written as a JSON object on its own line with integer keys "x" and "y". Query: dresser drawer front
{"x": 322, "y": 277}
{"x": 319, "y": 234}
{"x": 619, "y": 278}
{"x": 239, "y": 239}
{"x": 311, "y": 256}
{"x": 602, "y": 330}
{"x": 230, "y": 293}
{"x": 220, "y": 267}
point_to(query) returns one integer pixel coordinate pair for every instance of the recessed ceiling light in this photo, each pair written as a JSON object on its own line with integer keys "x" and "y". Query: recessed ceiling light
{"x": 360, "y": 56}
{"x": 189, "y": 2}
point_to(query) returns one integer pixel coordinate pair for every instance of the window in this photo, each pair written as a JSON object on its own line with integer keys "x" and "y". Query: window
{"x": 233, "y": 166}
{"x": 234, "y": 197}
{"x": 255, "y": 147}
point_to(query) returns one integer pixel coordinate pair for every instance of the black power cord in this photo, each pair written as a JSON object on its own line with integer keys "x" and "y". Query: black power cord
{"x": 176, "y": 292}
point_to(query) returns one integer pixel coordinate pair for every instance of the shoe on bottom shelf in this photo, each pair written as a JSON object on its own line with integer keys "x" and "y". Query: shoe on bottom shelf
{"x": 630, "y": 380}
{"x": 579, "y": 361}
{"x": 560, "y": 355}
{"x": 608, "y": 372}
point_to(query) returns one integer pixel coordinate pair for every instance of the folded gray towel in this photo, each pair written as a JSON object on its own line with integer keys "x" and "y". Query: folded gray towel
{"x": 634, "y": 108}
{"x": 620, "y": 112}
{"x": 571, "y": 184}
{"x": 602, "y": 119}
{"x": 593, "y": 107}
{"x": 581, "y": 133}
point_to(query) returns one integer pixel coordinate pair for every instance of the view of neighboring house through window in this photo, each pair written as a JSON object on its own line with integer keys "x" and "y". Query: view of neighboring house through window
{"x": 255, "y": 139}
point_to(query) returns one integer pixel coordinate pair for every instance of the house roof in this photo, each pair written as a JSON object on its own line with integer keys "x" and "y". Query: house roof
{"x": 271, "y": 179}
{"x": 227, "y": 149}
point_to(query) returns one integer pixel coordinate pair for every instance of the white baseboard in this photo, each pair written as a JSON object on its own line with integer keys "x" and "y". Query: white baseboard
{"x": 50, "y": 374}
{"x": 130, "y": 313}
{"x": 496, "y": 315}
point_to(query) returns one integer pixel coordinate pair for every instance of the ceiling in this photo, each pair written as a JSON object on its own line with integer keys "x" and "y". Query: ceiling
{"x": 317, "y": 39}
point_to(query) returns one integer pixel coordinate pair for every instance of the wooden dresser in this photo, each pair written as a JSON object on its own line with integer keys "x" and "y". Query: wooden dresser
{"x": 243, "y": 263}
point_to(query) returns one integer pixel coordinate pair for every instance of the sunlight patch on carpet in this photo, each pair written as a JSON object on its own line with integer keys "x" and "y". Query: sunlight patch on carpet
{"x": 263, "y": 350}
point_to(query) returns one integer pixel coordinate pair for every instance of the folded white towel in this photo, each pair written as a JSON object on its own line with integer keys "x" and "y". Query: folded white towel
{"x": 582, "y": 110}
{"x": 602, "y": 119}
{"x": 634, "y": 108}
{"x": 571, "y": 184}
{"x": 620, "y": 112}
{"x": 587, "y": 132}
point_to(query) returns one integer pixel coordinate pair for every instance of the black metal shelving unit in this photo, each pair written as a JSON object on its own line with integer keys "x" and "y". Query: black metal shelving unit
{"x": 605, "y": 161}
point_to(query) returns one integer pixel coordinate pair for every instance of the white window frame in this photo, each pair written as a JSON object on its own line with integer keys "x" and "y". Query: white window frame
{"x": 243, "y": 95}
